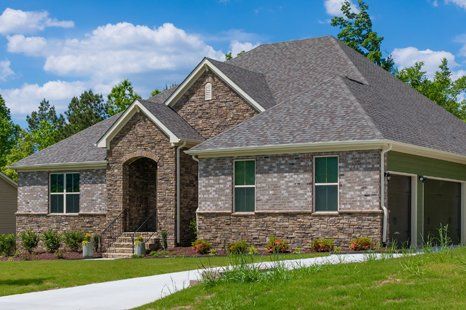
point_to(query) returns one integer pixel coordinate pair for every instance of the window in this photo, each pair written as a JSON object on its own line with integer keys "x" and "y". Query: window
{"x": 326, "y": 183}
{"x": 208, "y": 91}
{"x": 245, "y": 185}
{"x": 64, "y": 193}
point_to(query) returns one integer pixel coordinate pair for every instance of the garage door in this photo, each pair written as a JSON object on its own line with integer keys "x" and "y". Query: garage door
{"x": 399, "y": 208}
{"x": 442, "y": 206}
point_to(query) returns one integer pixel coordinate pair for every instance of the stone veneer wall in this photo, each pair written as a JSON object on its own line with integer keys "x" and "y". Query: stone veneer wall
{"x": 284, "y": 200}
{"x": 189, "y": 197}
{"x": 211, "y": 117}
{"x": 140, "y": 137}
{"x": 33, "y": 203}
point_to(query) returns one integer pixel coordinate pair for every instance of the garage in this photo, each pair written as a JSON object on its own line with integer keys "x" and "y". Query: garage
{"x": 399, "y": 210}
{"x": 442, "y": 206}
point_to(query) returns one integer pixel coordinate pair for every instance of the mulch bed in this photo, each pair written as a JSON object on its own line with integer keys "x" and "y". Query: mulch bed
{"x": 47, "y": 256}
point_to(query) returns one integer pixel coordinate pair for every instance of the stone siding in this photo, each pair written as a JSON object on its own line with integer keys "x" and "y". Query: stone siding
{"x": 284, "y": 200}
{"x": 297, "y": 229}
{"x": 139, "y": 138}
{"x": 189, "y": 197}
{"x": 211, "y": 117}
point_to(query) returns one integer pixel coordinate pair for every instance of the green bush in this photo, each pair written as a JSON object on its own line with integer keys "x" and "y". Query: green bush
{"x": 275, "y": 245}
{"x": 201, "y": 246}
{"x": 7, "y": 244}
{"x": 73, "y": 240}
{"x": 323, "y": 245}
{"x": 52, "y": 241}
{"x": 361, "y": 244}
{"x": 29, "y": 240}
{"x": 238, "y": 247}
{"x": 164, "y": 236}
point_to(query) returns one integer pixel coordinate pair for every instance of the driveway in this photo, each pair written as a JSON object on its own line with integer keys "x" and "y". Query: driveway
{"x": 130, "y": 293}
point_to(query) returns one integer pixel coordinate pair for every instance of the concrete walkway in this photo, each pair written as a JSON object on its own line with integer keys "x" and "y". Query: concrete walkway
{"x": 130, "y": 293}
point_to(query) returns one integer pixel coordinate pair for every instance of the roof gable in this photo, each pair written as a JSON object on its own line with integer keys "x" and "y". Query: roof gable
{"x": 207, "y": 64}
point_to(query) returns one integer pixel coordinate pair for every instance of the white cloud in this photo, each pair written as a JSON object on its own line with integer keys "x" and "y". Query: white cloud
{"x": 333, "y": 7}
{"x": 460, "y": 3}
{"x": 17, "y": 21}
{"x": 32, "y": 46}
{"x": 237, "y": 47}
{"x": 25, "y": 99}
{"x": 5, "y": 70}
{"x": 406, "y": 57}
{"x": 113, "y": 51}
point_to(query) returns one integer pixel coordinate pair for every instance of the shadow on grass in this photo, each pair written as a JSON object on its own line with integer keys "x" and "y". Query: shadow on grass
{"x": 24, "y": 282}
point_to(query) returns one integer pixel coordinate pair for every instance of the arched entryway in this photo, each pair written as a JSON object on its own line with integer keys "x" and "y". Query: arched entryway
{"x": 140, "y": 194}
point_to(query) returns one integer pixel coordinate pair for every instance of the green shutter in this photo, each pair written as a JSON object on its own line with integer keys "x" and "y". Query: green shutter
{"x": 244, "y": 199}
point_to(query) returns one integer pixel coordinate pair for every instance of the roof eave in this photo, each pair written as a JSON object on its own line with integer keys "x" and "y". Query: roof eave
{"x": 62, "y": 166}
{"x": 8, "y": 180}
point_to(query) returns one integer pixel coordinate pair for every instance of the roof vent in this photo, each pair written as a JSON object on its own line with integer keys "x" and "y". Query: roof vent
{"x": 208, "y": 91}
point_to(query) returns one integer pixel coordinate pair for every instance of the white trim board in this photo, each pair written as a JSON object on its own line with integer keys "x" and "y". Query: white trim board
{"x": 104, "y": 141}
{"x": 197, "y": 72}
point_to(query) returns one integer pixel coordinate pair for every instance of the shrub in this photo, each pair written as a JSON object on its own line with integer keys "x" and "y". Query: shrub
{"x": 193, "y": 229}
{"x": 201, "y": 246}
{"x": 323, "y": 245}
{"x": 164, "y": 236}
{"x": 361, "y": 244}
{"x": 29, "y": 240}
{"x": 7, "y": 244}
{"x": 51, "y": 241}
{"x": 239, "y": 247}
{"x": 252, "y": 250}
{"x": 275, "y": 245}
{"x": 73, "y": 240}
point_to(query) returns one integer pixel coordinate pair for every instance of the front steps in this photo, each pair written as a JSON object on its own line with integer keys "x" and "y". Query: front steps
{"x": 123, "y": 246}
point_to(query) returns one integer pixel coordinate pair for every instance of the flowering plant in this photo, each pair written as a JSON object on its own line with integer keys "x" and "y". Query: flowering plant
{"x": 275, "y": 245}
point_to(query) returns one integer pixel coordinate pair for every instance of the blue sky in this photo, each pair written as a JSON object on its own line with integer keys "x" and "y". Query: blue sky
{"x": 57, "y": 49}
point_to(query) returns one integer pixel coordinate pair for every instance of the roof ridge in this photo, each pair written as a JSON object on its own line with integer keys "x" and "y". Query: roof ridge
{"x": 338, "y": 43}
{"x": 234, "y": 65}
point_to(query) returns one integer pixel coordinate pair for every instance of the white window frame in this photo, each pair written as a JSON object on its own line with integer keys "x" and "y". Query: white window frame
{"x": 325, "y": 184}
{"x": 64, "y": 193}
{"x": 208, "y": 91}
{"x": 244, "y": 186}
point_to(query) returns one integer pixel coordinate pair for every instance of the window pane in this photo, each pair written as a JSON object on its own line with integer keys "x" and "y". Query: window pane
{"x": 72, "y": 203}
{"x": 332, "y": 169}
{"x": 250, "y": 172}
{"x": 239, "y": 172}
{"x": 244, "y": 199}
{"x": 326, "y": 170}
{"x": 326, "y": 198}
{"x": 56, "y": 203}
{"x": 72, "y": 182}
{"x": 321, "y": 169}
{"x": 56, "y": 183}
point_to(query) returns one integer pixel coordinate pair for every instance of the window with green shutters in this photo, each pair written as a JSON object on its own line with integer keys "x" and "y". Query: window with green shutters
{"x": 64, "y": 193}
{"x": 326, "y": 183}
{"x": 245, "y": 185}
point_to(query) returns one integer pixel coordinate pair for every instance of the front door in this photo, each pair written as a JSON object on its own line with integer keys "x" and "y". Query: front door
{"x": 399, "y": 208}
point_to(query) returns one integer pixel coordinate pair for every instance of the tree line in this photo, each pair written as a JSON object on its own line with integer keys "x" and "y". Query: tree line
{"x": 46, "y": 127}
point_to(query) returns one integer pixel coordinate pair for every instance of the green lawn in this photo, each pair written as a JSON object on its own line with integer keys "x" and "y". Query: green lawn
{"x": 27, "y": 276}
{"x": 426, "y": 281}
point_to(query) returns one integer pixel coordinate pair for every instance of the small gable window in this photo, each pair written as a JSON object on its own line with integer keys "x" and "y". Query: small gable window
{"x": 208, "y": 91}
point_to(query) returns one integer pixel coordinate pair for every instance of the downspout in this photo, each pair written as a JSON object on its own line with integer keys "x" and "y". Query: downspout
{"x": 178, "y": 190}
{"x": 382, "y": 192}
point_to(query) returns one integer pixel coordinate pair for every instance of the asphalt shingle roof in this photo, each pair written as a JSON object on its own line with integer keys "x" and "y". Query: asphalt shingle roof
{"x": 325, "y": 91}
{"x": 81, "y": 147}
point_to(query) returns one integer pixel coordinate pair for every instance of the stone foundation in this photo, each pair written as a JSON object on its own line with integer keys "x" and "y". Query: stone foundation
{"x": 299, "y": 229}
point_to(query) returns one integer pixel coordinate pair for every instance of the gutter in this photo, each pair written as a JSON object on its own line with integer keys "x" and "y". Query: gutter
{"x": 178, "y": 195}
{"x": 382, "y": 192}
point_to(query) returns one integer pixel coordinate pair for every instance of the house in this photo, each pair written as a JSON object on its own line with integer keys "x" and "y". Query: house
{"x": 299, "y": 139}
{"x": 8, "y": 200}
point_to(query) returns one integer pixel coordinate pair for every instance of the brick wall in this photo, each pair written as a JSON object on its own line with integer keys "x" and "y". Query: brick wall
{"x": 189, "y": 197}
{"x": 211, "y": 117}
{"x": 284, "y": 200}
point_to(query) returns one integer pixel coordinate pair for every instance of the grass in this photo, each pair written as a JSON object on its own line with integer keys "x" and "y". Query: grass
{"x": 433, "y": 280}
{"x": 27, "y": 276}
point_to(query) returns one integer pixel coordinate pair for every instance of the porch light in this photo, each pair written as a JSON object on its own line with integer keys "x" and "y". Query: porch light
{"x": 422, "y": 178}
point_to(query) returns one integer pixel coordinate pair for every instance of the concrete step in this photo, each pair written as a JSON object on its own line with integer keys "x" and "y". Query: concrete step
{"x": 117, "y": 255}
{"x": 120, "y": 250}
